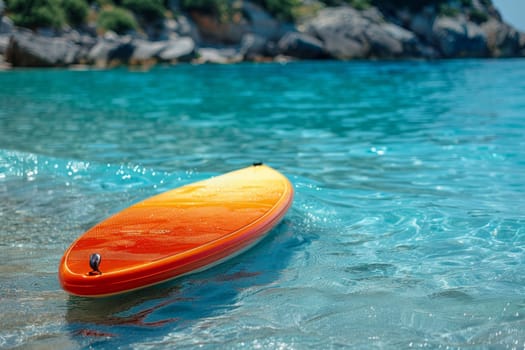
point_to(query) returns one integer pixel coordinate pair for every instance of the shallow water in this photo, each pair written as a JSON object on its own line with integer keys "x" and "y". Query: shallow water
{"x": 407, "y": 229}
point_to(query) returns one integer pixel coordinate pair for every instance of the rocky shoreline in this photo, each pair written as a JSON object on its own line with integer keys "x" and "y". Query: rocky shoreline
{"x": 341, "y": 32}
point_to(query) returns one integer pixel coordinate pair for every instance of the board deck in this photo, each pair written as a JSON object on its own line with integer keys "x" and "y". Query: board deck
{"x": 177, "y": 232}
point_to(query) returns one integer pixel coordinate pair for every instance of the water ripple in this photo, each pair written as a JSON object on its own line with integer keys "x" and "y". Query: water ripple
{"x": 407, "y": 229}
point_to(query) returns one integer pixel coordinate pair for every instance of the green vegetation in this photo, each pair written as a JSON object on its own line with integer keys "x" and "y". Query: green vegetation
{"x": 414, "y": 5}
{"x": 219, "y": 8}
{"x": 150, "y": 10}
{"x": 47, "y": 13}
{"x": 447, "y": 11}
{"x": 57, "y": 13}
{"x": 36, "y": 13}
{"x": 282, "y": 9}
{"x": 116, "y": 19}
{"x": 285, "y": 10}
{"x": 76, "y": 11}
{"x": 478, "y": 16}
{"x": 357, "y": 4}
{"x": 360, "y": 4}
{"x": 122, "y": 15}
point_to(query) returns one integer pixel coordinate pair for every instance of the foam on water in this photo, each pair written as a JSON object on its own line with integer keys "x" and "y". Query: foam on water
{"x": 407, "y": 229}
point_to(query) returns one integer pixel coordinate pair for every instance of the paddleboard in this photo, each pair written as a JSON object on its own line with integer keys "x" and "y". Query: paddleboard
{"x": 176, "y": 233}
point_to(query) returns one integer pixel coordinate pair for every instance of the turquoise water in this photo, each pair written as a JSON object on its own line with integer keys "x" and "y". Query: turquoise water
{"x": 407, "y": 229}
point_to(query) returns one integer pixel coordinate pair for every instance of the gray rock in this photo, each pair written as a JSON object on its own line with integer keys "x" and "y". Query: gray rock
{"x": 111, "y": 36}
{"x": 108, "y": 52}
{"x": 301, "y": 45}
{"x": 342, "y": 32}
{"x": 122, "y": 53}
{"x": 111, "y": 51}
{"x": 221, "y": 56}
{"x": 180, "y": 49}
{"x": 457, "y": 37}
{"x": 155, "y": 30}
{"x": 254, "y": 46}
{"x": 261, "y": 23}
{"x": 382, "y": 43}
{"x": 26, "y": 49}
{"x": 3, "y": 64}
{"x": 6, "y": 25}
{"x": 99, "y": 53}
{"x": 214, "y": 31}
{"x": 410, "y": 43}
{"x": 185, "y": 27}
{"x": 47, "y": 32}
{"x": 254, "y": 20}
{"x": 144, "y": 50}
{"x": 4, "y": 43}
{"x": 502, "y": 39}
{"x": 347, "y": 33}
{"x": 422, "y": 23}
{"x": 372, "y": 14}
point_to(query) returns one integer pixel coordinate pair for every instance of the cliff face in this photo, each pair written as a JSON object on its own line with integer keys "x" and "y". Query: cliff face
{"x": 472, "y": 28}
{"x": 381, "y": 29}
{"x": 437, "y": 29}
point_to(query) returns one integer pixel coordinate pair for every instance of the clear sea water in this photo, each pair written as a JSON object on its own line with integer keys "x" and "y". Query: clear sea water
{"x": 407, "y": 229}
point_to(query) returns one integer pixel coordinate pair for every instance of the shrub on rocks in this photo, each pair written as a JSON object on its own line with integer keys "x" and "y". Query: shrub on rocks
{"x": 150, "y": 10}
{"x": 76, "y": 11}
{"x": 36, "y": 13}
{"x": 116, "y": 19}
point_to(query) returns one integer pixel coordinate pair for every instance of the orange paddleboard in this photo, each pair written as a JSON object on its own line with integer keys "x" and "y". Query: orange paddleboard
{"x": 175, "y": 233}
